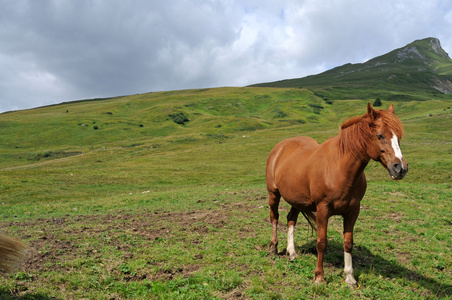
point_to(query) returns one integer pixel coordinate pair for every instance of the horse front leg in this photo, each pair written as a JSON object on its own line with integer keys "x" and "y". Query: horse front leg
{"x": 349, "y": 223}
{"x": 322, "y": 224}
{"x": 274, "y": 198}
{"x": 291, "y": 222}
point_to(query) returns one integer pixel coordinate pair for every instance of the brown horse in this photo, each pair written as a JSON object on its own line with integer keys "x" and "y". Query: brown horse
{"x": 328, "y": 179}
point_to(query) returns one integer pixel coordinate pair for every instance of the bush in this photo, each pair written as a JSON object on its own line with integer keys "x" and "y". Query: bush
{"x": 315, "y": 108}
{"x": 377, "y": 102}
{"x": 179, "y": 118}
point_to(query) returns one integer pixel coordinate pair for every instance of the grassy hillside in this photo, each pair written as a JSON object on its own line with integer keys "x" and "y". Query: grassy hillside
{"x": 77, "y": 127}
{"x": 162, "y": 195}
{"x": 421, "y": 70}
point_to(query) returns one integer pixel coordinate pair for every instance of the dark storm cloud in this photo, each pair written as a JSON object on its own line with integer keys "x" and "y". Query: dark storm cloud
{"x": 54, "y": 51}
{"x": 98, "y": 48}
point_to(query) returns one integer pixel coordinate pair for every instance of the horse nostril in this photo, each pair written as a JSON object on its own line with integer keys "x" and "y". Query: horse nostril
{"x": 397, "y": 168}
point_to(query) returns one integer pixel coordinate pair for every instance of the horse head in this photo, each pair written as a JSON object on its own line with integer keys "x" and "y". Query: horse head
{"x": 387, "y": 130}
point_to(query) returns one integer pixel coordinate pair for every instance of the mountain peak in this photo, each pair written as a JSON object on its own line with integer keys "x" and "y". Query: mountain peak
{"x": 420, "y": 52}
{"x": 419, "y": 68}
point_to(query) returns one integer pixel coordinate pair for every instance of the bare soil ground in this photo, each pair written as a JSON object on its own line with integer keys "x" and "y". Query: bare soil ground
{"x": 59, "y": 244}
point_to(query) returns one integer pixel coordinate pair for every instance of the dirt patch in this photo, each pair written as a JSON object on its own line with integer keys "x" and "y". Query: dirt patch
{"x": 398, "y": 194}
{"x": 395, "y": 216}
{"x": 152, "y": 244}
{"x": 57, "y": 240}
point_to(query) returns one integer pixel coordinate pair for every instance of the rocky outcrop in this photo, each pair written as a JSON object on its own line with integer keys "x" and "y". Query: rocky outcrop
{"x": 443, "y": 85}
{"x": 436, "y": 47}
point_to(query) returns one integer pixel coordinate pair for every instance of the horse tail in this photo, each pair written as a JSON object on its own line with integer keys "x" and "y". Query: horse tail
{"x": 311, "y": 218}
{"x": 12, "y": 253}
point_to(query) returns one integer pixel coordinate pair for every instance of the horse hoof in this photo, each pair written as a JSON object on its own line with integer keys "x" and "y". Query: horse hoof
{"x": 351, "y": 282}
{"x": 353, "y": 286}
{"x": 319, "y": 281}
{"x": 273, "y": 250}
{"x": 292, "y": 257}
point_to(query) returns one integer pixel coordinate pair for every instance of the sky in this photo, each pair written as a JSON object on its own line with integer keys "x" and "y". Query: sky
{"x": 64, "y": 50}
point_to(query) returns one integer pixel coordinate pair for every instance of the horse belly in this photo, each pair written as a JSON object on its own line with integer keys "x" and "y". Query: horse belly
{"x": 297, "y": 196}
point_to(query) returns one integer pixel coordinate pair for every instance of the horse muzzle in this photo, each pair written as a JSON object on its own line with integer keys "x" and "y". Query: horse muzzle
{"x": 398, "y": 170}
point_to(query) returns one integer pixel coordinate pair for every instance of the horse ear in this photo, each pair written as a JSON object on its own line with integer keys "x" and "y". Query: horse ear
{"x": 391, "y": 109}
{"x": 371, "y": 111}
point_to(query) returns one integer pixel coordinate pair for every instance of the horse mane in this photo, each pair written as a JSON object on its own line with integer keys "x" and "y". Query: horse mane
{"x": 357, "y": 133}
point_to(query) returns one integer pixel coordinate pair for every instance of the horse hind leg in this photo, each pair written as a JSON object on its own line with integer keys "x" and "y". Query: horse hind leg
{"x": 291, "y": 222}
{"x": 273, "y": 201}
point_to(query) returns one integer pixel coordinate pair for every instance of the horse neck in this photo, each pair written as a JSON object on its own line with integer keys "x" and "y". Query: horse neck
{"x": 351, "y": 164}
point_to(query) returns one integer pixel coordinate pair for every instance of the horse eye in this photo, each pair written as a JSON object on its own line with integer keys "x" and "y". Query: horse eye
{"x": 380, "y": 136}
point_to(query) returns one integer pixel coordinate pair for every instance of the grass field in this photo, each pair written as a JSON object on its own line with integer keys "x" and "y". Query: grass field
{"x": 143, "y": 207}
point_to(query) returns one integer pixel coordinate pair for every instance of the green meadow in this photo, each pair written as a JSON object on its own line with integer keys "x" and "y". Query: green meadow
{"x": 162, "y": 196}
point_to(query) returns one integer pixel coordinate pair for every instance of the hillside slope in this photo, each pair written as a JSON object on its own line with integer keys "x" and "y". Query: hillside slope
{"x": 69, "y": 128}
{"x": 419, "y": 71}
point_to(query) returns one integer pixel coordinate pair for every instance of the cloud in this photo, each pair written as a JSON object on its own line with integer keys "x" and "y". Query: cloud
{"x": 54, "y": 51}
{"x": 331, "y": 33}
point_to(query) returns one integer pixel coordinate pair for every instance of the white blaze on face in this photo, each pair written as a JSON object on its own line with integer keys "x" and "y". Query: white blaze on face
{"x": 396, "y": 147}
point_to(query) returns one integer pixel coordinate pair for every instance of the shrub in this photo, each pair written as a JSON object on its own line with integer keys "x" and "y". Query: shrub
{"x": 377, "y": 102}
{"x": 315, "y": 108}
{"x": 179, "y": 118}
